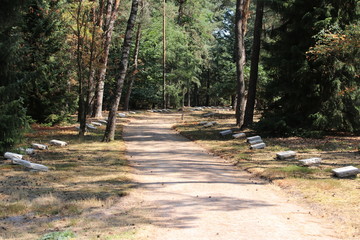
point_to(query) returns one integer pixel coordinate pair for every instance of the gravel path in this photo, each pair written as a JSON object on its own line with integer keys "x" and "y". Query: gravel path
{"x": 192, "y": 195}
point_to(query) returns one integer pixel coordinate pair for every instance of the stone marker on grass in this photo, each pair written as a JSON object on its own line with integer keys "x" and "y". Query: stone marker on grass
{"x": 225, "y": 132}
{"x": 255, "y": 141}
{"x": 102, "y": 121}
{"x": 253, "y": 138}
{"x": 310, "y": 161}
{"x": 239, "y": 135}
{"x": 208, "y": 114}
{"x": 203, "y": 122}
{"x": 39, "y": 146}
{"x": 34, "y": 166}
{"x": 258, "y": 146}
{"x": 30, "y": 151}
{"x": 210, "y": 124}
{"x": 122, "y": 115}
{"x": 90, "y": 126}
{"x": 96, "y": 124}
{"x": 285, "y": 155}
{"x": 349, "y": 171}
{"x": 10, "y": 155}
{"x": 58, "y": 143}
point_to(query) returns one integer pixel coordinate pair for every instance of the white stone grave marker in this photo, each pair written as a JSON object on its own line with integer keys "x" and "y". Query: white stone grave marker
{"x": 285, "y": 155}
{"x": 349, "y": 171}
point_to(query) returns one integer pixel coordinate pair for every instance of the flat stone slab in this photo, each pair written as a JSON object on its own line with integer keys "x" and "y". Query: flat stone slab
{"x": 349, "y": 171}
{"x": 58, "y": 143}
{"x": 122, "y": 115}
{"x": 96, "y": 124}
{"x": 208, "y": 114}
{"x": 210, "y": 124}
{"x": 33, "y": 166}
{"x": 30, "y": 151}
{"x": 225, "y": 132}
{"x": 102, "y": 121}
{"x": 255, "y": 141}
{"x": 253, "y": 138}
{"x": 90, "y": 126}
{"x": 310, "y": 161}
{"x": 11, "y": 155}
{"x": 239, "y": 135}
{"x": 203, "y": 122}
{"x": 258, "y": 146}
{"x": 285, "y": 155}
{"x": 39, "y": 146}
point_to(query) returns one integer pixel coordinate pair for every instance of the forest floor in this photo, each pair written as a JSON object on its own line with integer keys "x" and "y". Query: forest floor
{"x": 179, "y": 189}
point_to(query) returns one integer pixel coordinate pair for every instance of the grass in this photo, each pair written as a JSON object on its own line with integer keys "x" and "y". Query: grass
{"x": 334, "y": 198}
{"x": 84, "y": 177}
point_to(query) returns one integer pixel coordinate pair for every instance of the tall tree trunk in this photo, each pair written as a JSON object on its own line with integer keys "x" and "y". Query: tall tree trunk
{"x": 242, "y": 11}
{"x": 111, "y": 125}
{"x": 254, "y": 70}
{"x": 133, "y": 75}
{"x": 80, "y": 19}
{"x": 164, "y": 56}
{"x": 111, "y": 14}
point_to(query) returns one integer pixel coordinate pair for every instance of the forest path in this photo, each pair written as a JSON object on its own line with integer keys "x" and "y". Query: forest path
{"x": 189, "y": 194}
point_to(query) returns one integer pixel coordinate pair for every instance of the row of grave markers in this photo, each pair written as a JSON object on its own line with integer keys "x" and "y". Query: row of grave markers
{"x": 256, "y": 142}
{"x": 18, "y": 159}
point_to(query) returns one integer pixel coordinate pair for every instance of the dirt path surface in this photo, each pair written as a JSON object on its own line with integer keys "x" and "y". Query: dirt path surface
{"x": 192, "y": 195}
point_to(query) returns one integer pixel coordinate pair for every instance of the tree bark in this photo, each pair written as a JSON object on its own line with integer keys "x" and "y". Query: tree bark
{"x": 111, "y": 125}
{"x": 181, "y": 12}
{"x": 254, "y": 69}
{"x": 111, "y": 14}
{"x": 242, "y": 11}
{"x": 133, "y": 75}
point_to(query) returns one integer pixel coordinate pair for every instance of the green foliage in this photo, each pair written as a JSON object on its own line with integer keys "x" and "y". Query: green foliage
{"x": 336, "y": 58}
{"x": 13, "y": 120}
{"x": 298, "y": 96}
{"x": 46, "y": 63}
{"x": 61, "y": 235}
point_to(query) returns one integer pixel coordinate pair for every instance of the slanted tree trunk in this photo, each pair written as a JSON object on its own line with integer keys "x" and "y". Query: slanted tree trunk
{"x": 254, "y": 70}
{"x": 111, "y": 125}
{"x": 111, "y": 14}
{"x": 242, "y": 13}
{"x": 133, "y": 75}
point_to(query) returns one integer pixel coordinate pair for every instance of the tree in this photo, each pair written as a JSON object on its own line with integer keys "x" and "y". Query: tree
{"x": 111, "y": 125}
{"x": 293, "y": 95}
{"x": 241, "y": 17}
{"x": 46, "y": 63}
{"x": 254, "y": 70}
{"x": 110, "y": 18}
{"x": 13, "y": 119}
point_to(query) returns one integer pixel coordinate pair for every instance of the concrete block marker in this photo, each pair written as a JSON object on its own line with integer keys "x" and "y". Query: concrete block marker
{"x": 286, "y": 155}
{"x": 96, "y": 124}
{"x": 10, "y": 155}
{"x": 58, "y": 143}
{"x": 203, "y": 122}
{"x": 225, "y": 132}
{"x": 255, "y": 141}
{"x": 39, "y": 146}
{"x": 209, "y": 124}
{"x": 239, "y": 135}
{"x": 310, "y": 161}
{"x": 349, "y": 171}
{"x": 258, "y": 146}
{"x": 253, "y": 138}
{"x": 102, "y": 121}
{"x": 90, "y": 126}
{"x": 33, "y": 166}
{"x": 30, "y": 151}
{"x": 122, "y": 115}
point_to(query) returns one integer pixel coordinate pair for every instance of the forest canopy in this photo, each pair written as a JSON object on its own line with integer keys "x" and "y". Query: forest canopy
{"x": 300, "y": 58}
